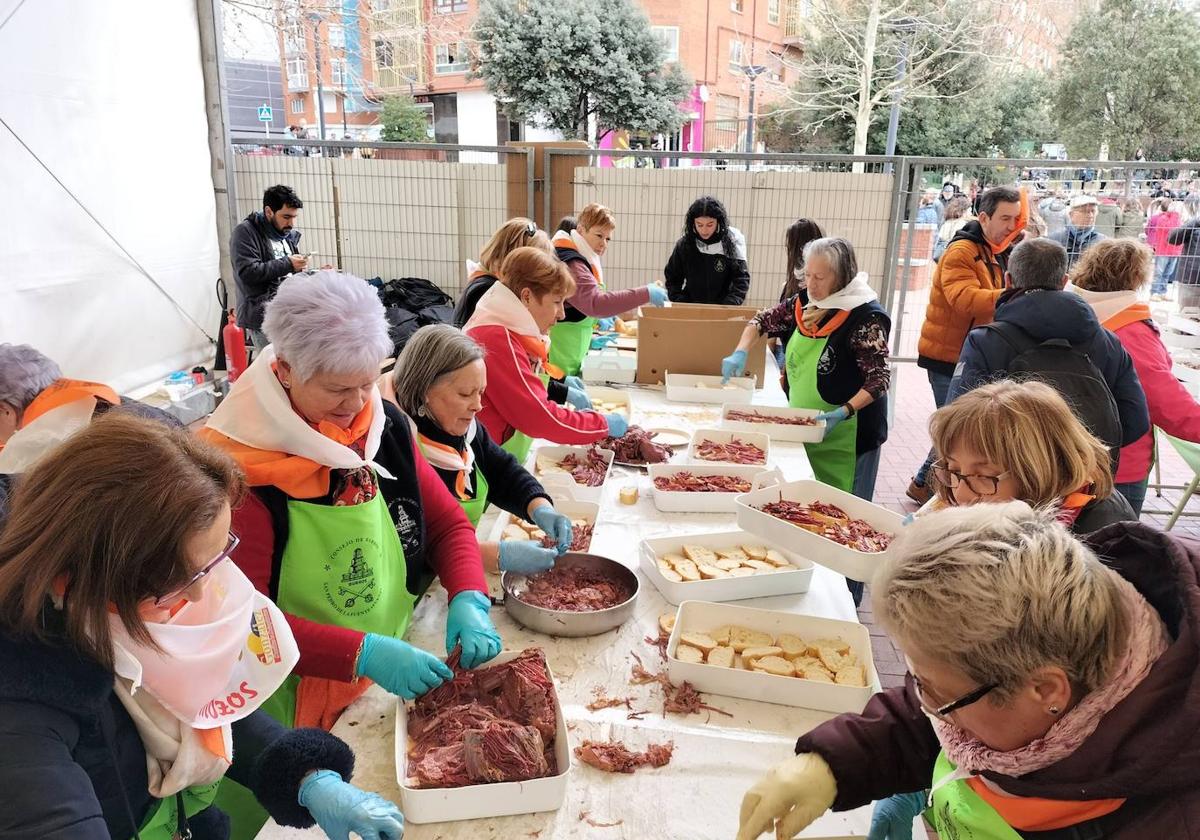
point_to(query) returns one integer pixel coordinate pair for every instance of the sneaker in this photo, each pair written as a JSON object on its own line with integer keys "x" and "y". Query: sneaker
{"x": 919, "y": 493}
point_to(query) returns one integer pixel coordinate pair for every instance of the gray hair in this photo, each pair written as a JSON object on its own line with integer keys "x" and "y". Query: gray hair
{"x": 1038, "y": 264}
{"x": 433, "y": 351}
{"x": 839, "y": 253}
{"x": 1016, "y": 590}
{"x": 24, "y": 373}
{"x": 327, "y": 322}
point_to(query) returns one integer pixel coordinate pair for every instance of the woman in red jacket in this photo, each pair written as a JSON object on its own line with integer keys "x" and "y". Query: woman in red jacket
{"x": 1166, "y": 256}
{"x": 1108, "y": 276}
{"x": 511, "y": 323}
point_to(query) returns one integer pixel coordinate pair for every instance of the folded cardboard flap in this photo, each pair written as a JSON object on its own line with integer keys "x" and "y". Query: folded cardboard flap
{"x": 694, "y": 338}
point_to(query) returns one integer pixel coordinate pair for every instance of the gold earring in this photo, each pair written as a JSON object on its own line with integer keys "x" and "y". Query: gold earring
{"x": 1054, "y": 710}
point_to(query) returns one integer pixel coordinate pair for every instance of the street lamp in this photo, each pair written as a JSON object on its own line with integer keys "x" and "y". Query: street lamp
{"x": 904, "y": 26}
{"x": 752, "y": 72}
{"x": 315, "y": 19}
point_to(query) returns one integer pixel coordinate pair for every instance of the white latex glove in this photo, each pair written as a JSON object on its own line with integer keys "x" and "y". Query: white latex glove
{"x": 795, "y": 792}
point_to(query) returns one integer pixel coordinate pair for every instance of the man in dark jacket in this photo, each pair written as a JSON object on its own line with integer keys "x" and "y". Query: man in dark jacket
{"x": 1080, "y": 234}
{"x": 1036, "y": 303}
{"x": 265, "y": 248}
{"x": 1188, "y": 272}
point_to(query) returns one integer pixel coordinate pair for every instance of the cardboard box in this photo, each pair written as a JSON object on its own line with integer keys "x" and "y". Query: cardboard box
{"x": 694, "y": 338}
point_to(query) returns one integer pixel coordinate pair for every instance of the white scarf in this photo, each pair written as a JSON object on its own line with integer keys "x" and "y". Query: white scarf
{"x": 45, "y": 433}
{"x": 499, "y": 307}
{"x": 1105, "y": 304}
{"x": 854, "y": 294}
{"x": 442, "y": 457}
{"x": 717, "y": 249}
{"x": 258, "y": 413}
{"x": 591, "y": 256}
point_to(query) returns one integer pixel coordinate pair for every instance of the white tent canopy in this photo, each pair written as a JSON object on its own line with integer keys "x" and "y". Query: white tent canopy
{"x": 109, "y": 95}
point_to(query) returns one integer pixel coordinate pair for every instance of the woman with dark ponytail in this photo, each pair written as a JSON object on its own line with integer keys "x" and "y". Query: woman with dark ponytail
{"x": 708, "y": 264}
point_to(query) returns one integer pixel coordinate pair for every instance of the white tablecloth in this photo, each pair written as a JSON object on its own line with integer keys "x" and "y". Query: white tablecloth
{"x": 696, "y": 796}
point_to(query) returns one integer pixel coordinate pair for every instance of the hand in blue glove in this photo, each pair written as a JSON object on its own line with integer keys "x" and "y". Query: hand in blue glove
{"x": 526, "y": 557}
{"x": 733, "y": 365}
{"x": 579, "y": 399}
{"x": 469, "y": 625}
{"x": 658, "y": 295}
{"x": 617, "y": 424}
{"x": 574, "y": 382}
{"x": 554, "y": 524}
{"x": 601, "y": 341}
{"x": 893, "y": 818}
{"x": 908, "y": 519}
{"x": 832, "y": 418}
{"x": 401, "y": 668}
{"x": 606, "y": 324}
{"x": 340, "y": 808}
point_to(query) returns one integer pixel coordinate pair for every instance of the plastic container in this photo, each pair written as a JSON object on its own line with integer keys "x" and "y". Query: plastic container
{"x": 788, "y": 582}
{"x": 600, "y": 393}
{"x": 758, "y": 439}
{"x": 701, "y": 616}
{"x": 857, "y": 565}
{"x": 474, "y": 802}
{"x": 589, "y": 512}
{"x": 560, "y": 482}
{"x": 682, "y": 501}
{"x": 693, "y": 388}
{"x": 609, "y": 365}
{"x": 779, "y": 431}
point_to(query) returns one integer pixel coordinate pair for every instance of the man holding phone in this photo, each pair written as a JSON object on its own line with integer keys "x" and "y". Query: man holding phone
{"x": 265, "y": 248}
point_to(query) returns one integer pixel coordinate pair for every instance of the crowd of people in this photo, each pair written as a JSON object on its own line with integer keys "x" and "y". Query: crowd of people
{"x": 321, "y": 500}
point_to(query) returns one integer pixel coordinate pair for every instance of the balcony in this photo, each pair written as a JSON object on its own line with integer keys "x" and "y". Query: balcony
{"x": 297, "y": 82}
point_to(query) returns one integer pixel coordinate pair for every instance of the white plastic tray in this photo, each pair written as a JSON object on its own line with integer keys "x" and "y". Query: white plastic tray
{"x": 564, "y": 504}
{"x": 701, "y": 616}
{"x": 601, "y": 393}
{"x": 479, "y": 801}
{"x": 787, "y": 582}
{"x": 609, "y": 365}
{"x": 686, "y": 387}
{"x": 678, "y": 501}
{"x": 758, "y": 439}
{"x": 856, "y": 565}
{"x": 779, "y": 431}
{"x": 560, "y": 482}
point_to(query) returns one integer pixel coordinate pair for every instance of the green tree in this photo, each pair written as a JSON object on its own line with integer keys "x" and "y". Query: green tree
{"x": 558, "y": 63}
{"x": 1130, "y": 78}
{"x": 403, "y": 121}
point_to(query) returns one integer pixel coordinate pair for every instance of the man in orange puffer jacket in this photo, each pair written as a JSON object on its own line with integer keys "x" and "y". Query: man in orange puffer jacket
{"x": 966, "y": 283}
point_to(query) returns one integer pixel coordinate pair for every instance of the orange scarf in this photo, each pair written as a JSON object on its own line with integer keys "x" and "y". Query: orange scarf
{"x": 1129, "y": 315}
{"x": 537, "y": 350}
{"x": 1034, "y": 814}
{"x": 1022, "y": 223}
{"x": 824, "y": 329}
{"x": 63, "y": 391}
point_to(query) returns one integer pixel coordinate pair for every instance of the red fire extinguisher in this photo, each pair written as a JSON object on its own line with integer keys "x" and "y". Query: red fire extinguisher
{"x": 235, "y": 348}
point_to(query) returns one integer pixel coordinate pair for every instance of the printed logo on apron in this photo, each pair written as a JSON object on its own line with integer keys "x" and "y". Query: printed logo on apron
{"x": 827, "y": 361}
{"x": 353, "y": 592}
{"x": 406, "y": 525}
{"x": 719, "y": 266}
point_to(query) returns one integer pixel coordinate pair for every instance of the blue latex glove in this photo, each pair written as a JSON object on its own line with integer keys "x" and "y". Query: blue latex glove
{"x": 574, "y": 382}
{"x": 733, "y": 365}
{"x": 340, "y": 808}
{"x": 908, "y": 519}
{"x": 617, "y": 424}
{"x": 658, "y": 295}
{"x": 606, "y": 324}
{"x": 601, "y": 341}
{"x": 556, "y": 525}
{"x": 579, "y": 399}
{"x": 893, "y": 818}
{"x": 832, "y": 418}
{"x": 401, "y": 668}
{"x": 469, "y": 625}
{"x": 526, "y": 557}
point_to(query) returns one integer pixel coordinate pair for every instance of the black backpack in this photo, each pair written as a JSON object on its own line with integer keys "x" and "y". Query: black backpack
{"x": 1072, "y": 373}
{"x": 411, "y": 303}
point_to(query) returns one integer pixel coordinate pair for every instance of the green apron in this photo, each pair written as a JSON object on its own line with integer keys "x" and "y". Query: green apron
{"x": 474, "y": 508}
{"x": 833, "y": 458}
{"x": 520, "y": 443}
{"x": 343, "y": 565}
{"x": 569, "y": 344}
{"x": 164, "y": 820}
{"x": 960, "y": 813}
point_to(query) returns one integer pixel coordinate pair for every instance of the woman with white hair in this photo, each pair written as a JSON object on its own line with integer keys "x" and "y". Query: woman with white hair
{"x": 344, "y": 518}
{"x": 1051, "y": 691}
{"x": 439, "y": 382}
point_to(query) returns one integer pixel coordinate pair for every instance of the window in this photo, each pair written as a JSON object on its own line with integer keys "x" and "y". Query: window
{"x": 725, "y": 128}
{"x": 385, "y": 54}
{"x": 330, "y": 101}
{"x": 336, "y": 36}
{"x": 297, "y": 73}
{"x": 735, "y": 5}
{"x": 669, "y": 37}
{"x": 337, "y": 73}
{"x": 736, "y": 53}
{"x": 449, "y": 7}
{"x": 297, "y": 105}
{"x": 773, "y": 12}
{"x": 293, "y": 38}
{"x": 450, "y": 58}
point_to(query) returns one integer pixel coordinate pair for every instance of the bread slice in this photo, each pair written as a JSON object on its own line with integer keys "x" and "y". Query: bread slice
{"x": 851, "y": 675}
{"x": 831, "y": 659}
{"x": 687, "y": 653}
{"x": 721, "y": 656}
{"x": 687, "y": 570}
{"x": 699, "y": 554}
{"x": 672, "y": 575}
{"x": 792, "y": 646}
{"x": 673, "y": 560}
{"x": 712, "y": 572}
{"x": 741, "y": 638}
{"x": 727, "y": 564}
{"x": 836, "y": 644}
{"x": 759, "y": 652}
{"x": 699, "y": 640}
{"x": 743, "y": 571}
{"x": 537, "y": 534}
{"x": 816, "y": 673}
{"x": 732, "y": 554}
{"x": 776, "y": 665}
{"x": 514, "y": 532}
{"x": 776, "y": 559}
{"x": 804, "y": 662}
{"x": 755, "y": 552}
{"x": 666, "y": 623}
{"x": 721, "y": 634}
{"x": 761, "y": 565}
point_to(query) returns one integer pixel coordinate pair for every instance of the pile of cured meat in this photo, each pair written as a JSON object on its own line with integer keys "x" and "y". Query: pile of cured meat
{"x": 686, "y": 482}
{"x": 589, "y": 470}
{"x": 494, "y": 724}
{"x": 615, "y": 757}
{"x": 735, "y": 452}
{"x": 636, "y": 446}
{"x": 581, "y": 537}
{"x": 752, "y": 416}
{"x": 832, "y": 523}
{"x": 574, "y": 589}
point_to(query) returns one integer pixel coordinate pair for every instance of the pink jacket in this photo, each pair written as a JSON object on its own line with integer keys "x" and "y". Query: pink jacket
{"x": 1172, "y": 408}
{"x": 1156, "y": 234}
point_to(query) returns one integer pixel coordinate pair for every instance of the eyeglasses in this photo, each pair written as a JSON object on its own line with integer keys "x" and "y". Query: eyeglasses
{"x": 967, "y": 699}
{"x": 173, "y": 597}
{"x": 980, "y": 485}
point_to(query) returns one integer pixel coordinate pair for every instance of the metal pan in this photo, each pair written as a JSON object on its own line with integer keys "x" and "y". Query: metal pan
{"x": 562, "y": 622}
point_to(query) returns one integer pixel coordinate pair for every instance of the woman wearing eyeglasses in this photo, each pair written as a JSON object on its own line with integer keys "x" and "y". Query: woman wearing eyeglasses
{"x": 134, "y": 656}
{"x": 1051, "y": 692}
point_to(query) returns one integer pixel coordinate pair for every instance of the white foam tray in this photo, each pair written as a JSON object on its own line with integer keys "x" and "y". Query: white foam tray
{"x": 564, "y": 504}
{"x": 475, "y": 802}
{"x": 779, "y": 431}
{"x": 680, "y": 501}
{"x": 556, "y": 483}
{"x": 686, "y": 387}
{"x": 600, "y": 393}
{"x": 788, "y": 582}
{"x": 758, "y": 439}
{"x": 609, "y": 365}
{"x": 856, "y": 565}
{"x": 701, "y": 616}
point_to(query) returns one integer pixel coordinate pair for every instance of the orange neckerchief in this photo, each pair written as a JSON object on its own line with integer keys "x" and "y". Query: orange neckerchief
{"x": 477, "y": 273}
{"x": 1073, "y": 505}
{"x": 299, "y": 478}
{"x": 1129, "y": 315}
{"x": 63, "y": 391}
{"x": 536, "y": 348}
{"x": 320, "y": 702}
{"x": 563, "y": 240}
{"x": 1022, "y": 223}
{"x": 460, "y": 478}
{"x": 825, "y": 329}
{"x": 1034, "y": 814}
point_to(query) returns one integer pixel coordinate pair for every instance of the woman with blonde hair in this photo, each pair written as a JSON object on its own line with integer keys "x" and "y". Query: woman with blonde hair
{"x": 513, "y": 234}
{"x": 511, "y": 324}
{"x": 1050, "y": 691}
{"x": 1109, "y": 277}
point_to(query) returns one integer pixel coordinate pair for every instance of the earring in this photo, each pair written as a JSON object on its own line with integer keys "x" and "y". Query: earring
{"x": 287, "y": 385}
{"x": 1054, "y": 710}
{"x": 421, "y": 411}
